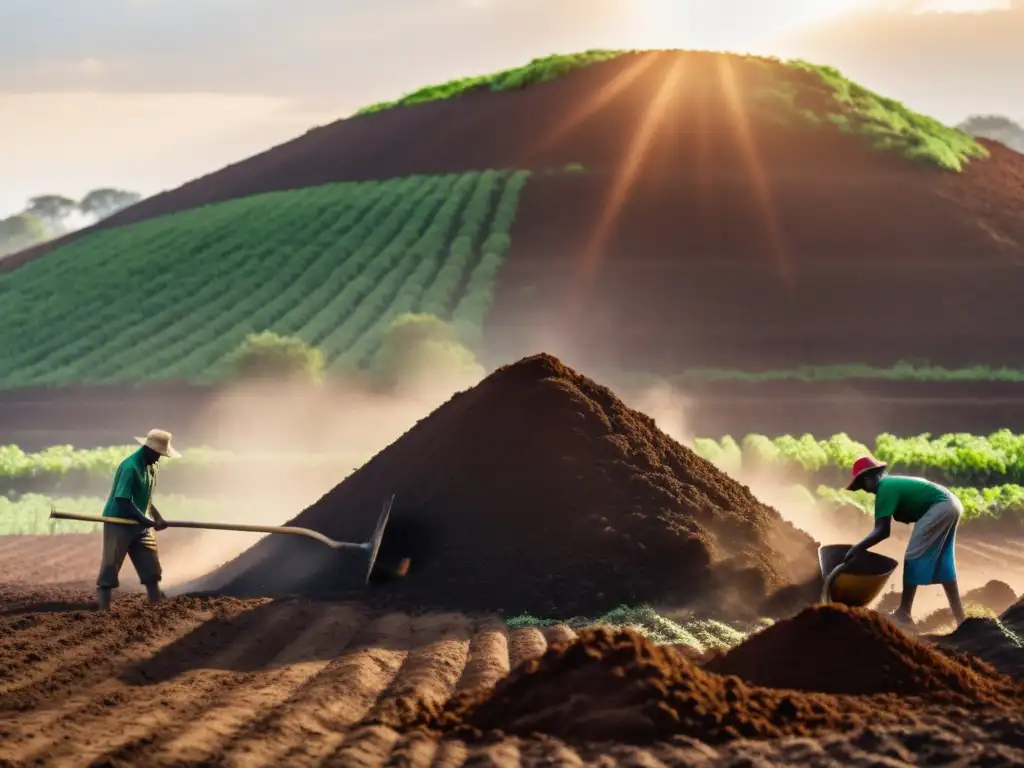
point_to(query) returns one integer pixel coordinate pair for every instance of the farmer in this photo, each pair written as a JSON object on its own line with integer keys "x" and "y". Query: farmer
{"x": 933, "y": 511}
{"x": 131, "y": 498}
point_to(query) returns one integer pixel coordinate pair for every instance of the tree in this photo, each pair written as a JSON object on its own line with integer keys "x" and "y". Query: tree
{"x": 21, "y": 231}
{"x": 997, "y": 128}
{"x": 107, "y": 201}
{"x": 269, "y": 357}
{"x": 418, "y": 349}
{"x": 51, "y": 208}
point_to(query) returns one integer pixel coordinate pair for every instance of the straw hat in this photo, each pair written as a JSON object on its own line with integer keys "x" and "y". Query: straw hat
{"x": 159, "y": 441}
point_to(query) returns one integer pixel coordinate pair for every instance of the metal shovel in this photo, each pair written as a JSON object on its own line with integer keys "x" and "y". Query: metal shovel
{"x": 371, "y": 547}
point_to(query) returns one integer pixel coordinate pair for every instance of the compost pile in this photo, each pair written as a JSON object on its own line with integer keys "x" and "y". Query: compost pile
{"x": 617, "y": 685}
{"x": 841, "y": 650}
{"x": 539, "y": 491}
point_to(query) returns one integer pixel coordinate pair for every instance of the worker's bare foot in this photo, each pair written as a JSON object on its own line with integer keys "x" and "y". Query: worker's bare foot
{"x": 902, "y": 619}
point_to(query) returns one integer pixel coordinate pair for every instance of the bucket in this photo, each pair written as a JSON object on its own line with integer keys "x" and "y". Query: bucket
{"x": 860, "y": 582}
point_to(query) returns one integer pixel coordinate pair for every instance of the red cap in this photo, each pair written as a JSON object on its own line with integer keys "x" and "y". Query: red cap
{"x": 862, "y": 465}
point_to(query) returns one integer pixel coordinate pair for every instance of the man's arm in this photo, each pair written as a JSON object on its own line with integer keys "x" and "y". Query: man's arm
{"x": 881, "y": 531}
{"x": 127, "y": 508}
{"x": 161, "y": 524}
{"x": 123, "y": 492}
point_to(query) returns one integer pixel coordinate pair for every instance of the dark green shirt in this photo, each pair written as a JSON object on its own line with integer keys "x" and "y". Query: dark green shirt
{"x": 907, "y": 498}
{"x": 132, "y": 480}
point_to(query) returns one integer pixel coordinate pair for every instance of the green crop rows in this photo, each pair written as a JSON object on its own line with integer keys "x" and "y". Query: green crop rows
{"x": 959, "y": 459}
{"x": 171, "y": 297}
{"x": 30, "y": 514}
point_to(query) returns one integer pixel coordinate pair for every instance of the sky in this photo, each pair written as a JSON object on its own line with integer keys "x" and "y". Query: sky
{"x": 147, "y": 94}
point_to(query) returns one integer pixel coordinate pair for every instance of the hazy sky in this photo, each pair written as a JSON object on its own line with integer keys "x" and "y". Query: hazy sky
{"x": 146, "y": 94}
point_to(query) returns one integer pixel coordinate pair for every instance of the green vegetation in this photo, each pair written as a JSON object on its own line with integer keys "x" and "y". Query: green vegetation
{"x": 333, "y": 266}
{"x": 961, "y": 460}
{"x": 901, "y": 371}
{"x": 268, "y": 356}
{"x": 30, "y": 514}
{"x": 886, "y": 124}
{"x": 701, "y": 635}
{"x": 416, "y": 345}
{"x": 537, "y": 71}
{"x": 1003, "y": 503}
{"x": 958, "y": 459}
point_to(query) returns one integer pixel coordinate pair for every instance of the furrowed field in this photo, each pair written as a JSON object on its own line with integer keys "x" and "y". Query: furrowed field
{"x": 332, "y": 265}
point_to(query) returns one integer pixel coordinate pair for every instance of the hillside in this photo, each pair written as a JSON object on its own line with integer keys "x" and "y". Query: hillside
{"x": 670, "y": 210}
{"x": 578, "y": 108}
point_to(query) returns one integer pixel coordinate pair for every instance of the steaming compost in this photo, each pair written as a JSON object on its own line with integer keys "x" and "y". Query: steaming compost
{"x": 538, "y": 490}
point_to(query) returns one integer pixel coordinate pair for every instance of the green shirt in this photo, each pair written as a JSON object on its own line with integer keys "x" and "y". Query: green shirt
{"x": 907, "y": 498}
{"x": 132, "y": 480}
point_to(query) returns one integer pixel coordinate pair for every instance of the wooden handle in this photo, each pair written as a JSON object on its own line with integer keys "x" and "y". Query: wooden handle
{"x": 826, "y": 590}
{"x": 286, "y": 529}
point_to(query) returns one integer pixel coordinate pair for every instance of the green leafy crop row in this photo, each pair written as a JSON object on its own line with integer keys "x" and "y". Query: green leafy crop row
{"x": 30, "y": 514}
{"x": 331, "y": 265}
{"x": 960, "y": 459}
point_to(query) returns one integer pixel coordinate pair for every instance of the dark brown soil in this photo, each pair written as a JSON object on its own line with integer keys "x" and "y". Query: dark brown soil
{"x": 539, "y": 491}
{"x": 701, "y": 270}
{"x": 617, "y": 686}
{"x": 997, "y": 642}
{"x": 840, "y": 650}
{"x": 294, "y": 682}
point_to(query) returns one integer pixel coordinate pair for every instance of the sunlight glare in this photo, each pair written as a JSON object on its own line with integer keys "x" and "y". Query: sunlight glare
{"x": 749, "y": 25}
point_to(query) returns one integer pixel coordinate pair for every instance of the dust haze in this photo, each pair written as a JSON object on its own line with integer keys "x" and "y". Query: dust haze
{"x": 343, "y": 425}
{"x": 977, "y": 563}
{"x": 346, "y": 425}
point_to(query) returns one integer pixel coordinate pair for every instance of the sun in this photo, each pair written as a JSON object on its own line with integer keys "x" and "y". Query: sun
{"x": 748, "y": 25}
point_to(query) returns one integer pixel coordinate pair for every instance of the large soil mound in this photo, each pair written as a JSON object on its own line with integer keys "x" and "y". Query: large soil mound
{"x": 616, "y": 685}
{"x": 539, "y": 491}
{"x": 835, "y": 649}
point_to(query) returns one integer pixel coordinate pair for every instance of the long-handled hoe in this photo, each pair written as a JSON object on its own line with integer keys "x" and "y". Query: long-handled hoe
{"x": 371, "y": 547}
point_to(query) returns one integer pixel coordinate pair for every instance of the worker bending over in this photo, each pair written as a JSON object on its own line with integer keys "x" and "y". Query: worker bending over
{"x": 131, "y": 497}
{"x": 933, "y": 511}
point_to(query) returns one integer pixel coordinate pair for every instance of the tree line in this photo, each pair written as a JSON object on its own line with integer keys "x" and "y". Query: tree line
{"x": 49, "y": 216}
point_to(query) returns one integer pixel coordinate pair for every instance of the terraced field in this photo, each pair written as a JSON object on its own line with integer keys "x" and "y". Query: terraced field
{"x": 333, "y": 265}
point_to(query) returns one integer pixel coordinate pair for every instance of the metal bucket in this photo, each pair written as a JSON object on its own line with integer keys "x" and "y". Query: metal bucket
{"x": 857, "y": 584}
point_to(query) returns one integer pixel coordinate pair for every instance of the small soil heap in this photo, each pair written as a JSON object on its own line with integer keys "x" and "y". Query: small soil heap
{"x": 836, "y": 649}
{"x": 615, "y": 685}
{"x": 828, "y": 669}
{"x": 539, "y": 491}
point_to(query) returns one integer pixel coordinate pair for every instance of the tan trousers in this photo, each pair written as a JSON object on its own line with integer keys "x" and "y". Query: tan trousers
{"x": 139, "y": 544}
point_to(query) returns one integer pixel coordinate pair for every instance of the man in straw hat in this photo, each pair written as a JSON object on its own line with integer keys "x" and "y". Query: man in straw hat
{"x": 933, "y": 511}
{"x": 131, "y": 498}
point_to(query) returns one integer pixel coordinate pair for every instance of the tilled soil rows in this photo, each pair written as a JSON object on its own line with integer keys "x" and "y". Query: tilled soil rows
{"x": 227, "y": 682}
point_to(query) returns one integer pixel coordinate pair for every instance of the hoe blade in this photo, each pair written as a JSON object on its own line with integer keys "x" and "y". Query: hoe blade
{"x": 378, "y": 535}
